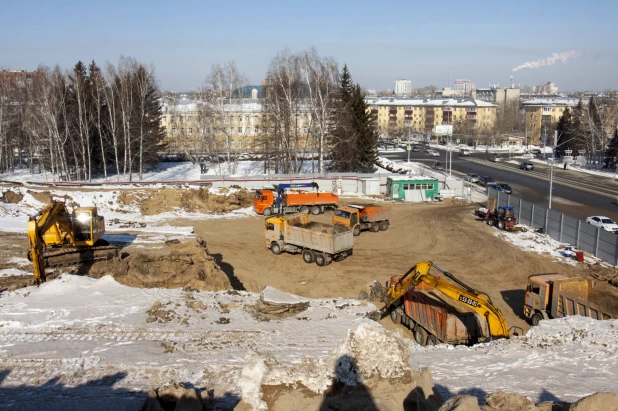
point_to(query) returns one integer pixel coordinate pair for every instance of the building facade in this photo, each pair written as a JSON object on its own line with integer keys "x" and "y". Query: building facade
{"x": 541, "y": 117}
{"x": 403, "y": 87}
{"x": 423, "y": 115}
{"x": 464, "y": 85}
{"x": 499, "y": 96}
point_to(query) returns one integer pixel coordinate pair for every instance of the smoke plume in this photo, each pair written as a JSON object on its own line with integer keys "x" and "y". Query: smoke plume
{"x": 563, "y": 56}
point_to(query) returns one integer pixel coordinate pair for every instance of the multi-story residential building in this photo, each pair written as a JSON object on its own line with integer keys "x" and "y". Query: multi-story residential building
{"x": 241, "y": 126}
{"x": 548, "y": 88}
{"x": 423, "y": 115}
{"x": 403, "y": 87}
{"x": 541, "y": 116}
{"x": 464, "y": 85}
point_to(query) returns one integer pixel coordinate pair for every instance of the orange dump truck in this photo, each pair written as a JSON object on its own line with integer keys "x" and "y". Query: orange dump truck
{"x": 266, "y": 201}
{"x": 363, "y": 217}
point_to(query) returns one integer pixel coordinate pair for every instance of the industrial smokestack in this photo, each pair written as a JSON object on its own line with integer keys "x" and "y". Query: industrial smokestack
{"x": 549, "y": 61}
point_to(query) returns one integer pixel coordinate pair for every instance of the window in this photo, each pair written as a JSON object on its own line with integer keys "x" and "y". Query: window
{"x": 248, "y": 143}
{"x": 239, "y": 130}
{"x": 257, "y": 130}
{"x": 534, "y": 288}
{"x": 239, "y": 143}
{"x": 247, "y": 119}
{"x": 173, "y": 131}
{"x": 239, "y": 118}
{"x": 231, "y": 143}
{"x": 190, "y": 131}
{"x": 270, "y": 226}
{"x": 406, "y": 186}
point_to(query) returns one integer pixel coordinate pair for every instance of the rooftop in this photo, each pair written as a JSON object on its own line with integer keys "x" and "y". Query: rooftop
{"x": 551, "y": 102}
{"x": 447, "y": 102}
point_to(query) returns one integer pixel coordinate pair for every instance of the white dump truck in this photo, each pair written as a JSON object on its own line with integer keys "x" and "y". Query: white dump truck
{"x": 317, "y": 242}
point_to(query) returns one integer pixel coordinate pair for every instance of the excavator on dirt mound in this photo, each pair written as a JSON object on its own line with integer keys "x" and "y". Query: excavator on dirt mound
{"x": 438, "y": 310}
{"x": 59, "y": 238}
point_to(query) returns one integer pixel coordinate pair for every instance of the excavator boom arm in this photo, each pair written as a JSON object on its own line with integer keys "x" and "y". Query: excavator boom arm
{"x": 475, "y": 300}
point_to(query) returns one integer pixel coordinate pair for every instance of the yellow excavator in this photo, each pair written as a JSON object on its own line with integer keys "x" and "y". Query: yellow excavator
{"x": 458, "y": 314}
{"x": 59, "y": 238}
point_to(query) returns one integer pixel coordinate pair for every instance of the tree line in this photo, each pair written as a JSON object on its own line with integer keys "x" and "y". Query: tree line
{"x": 82, "y": 122}
{"x": 308, "y": 110}
{"x": 585, "y": 129}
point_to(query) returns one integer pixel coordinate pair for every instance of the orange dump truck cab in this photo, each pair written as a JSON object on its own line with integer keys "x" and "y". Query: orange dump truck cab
{"x": 363, "y": 217}
{"x": 266, "y": 202}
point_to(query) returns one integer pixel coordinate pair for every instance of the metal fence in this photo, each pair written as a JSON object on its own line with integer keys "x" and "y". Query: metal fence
{"x": 562, "y": 227}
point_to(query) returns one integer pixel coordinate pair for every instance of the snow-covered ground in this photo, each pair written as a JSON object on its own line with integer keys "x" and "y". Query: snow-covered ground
{"x": 564, "y": 359}
{"x": 77, "y": 329}
{"x": 168, "y": 171}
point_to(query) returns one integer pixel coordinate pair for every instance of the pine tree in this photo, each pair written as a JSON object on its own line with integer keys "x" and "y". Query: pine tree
{"x": 346, "y": 87}
{"x": 343, "y": 138}
{"x": 612, "y": 152}
{"x": 366, "y": 134}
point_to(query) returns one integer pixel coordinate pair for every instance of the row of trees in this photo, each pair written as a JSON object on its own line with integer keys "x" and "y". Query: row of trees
{"x": 81, "y": 122}
{"x": 587, "y": 128}
{"x": 306, "y": 110}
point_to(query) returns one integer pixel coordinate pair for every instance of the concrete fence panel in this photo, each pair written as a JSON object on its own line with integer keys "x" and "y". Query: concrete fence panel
{"x": 526, "y": 213}
{"x": 587, "y": 238}
{"x": 539, "y": 216}
{"x": 554, "y": 219}
{"x": 569, "y": 230}
{"x": 606, "y": 247}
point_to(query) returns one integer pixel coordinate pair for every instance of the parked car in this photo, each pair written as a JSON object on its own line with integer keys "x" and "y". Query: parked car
{"x": 484, "y": 180}
{"x": 471, "y": 177}
{"x": 415, "y": 149}
{"x": 438, "y": 165}
{"x": 505, "y": 187}
{"x": 526, "y": 166}
{"x": 495, "y": 186}
{"x": 464, "y": 152}
{"x": 494, "y": 159}
{"x": 603, "y": 222}
{"x": 433, "y": 153}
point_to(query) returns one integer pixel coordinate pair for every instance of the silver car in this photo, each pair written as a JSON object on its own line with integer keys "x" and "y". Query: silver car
{"x": 471, "y": 177}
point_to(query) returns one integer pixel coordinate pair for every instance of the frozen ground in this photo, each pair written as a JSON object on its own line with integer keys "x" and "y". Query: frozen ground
{"x": 77, "y": 338}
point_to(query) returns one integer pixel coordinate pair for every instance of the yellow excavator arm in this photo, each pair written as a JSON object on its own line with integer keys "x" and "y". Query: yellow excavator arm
{"x": 475, "y": 300}
{"x": 52, "y": 215}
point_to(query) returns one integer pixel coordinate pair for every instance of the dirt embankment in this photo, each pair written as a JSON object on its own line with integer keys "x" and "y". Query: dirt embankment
{"x": 11, "y": 197}
{"x": 156, "y": 201}
{"x": 182, "y": 264}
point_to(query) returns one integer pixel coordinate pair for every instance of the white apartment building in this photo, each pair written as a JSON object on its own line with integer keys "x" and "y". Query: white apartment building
{"x": 403, "y": 87}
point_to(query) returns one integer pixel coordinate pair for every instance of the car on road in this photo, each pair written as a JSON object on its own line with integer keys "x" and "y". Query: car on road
{"x": 438, "y": 165}
{"x": 603, "y": 222}
{"x": 495, "y": 186}
{"x": 526, "y": 166}
{"x": 433, "y": 153}
{"x": 464, "y": 152}
{"x": 415, "y": 149}
{"x": 494, "y": 159}
{"x": 505, "y": 187}
{"x": 471, "y": 177}
{"x": 484, "y": 180}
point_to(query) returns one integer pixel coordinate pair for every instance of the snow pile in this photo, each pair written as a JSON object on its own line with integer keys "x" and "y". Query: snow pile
{"x": 567, "y": 359}
{"x": 543, "y": 244}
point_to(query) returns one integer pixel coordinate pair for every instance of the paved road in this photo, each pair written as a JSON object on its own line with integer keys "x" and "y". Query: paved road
{"x": 577, "y": 194}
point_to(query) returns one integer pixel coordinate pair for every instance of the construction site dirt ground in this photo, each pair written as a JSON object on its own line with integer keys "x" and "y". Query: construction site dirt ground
{"x": 448, "y": 235}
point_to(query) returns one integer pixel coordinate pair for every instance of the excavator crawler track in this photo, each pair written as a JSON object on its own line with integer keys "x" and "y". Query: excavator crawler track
{"x": 68, "y": 256}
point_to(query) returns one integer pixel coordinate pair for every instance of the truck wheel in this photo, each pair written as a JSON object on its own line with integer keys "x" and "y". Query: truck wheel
{"x": 490, "y": 222}
{"x": 356, "y": 231}
{"x": 501, "y": 225}
{"x": 432, "y": 340}
{"x": 275, "y": 248}
{"x": 536, "y": 318}
{"x": 420, "y": 335}
{"x": 320, "y": 259}
{"x": 308, "y": 256}
{"x": 396, "y": 316}
{"x": 268, "y": 211}
{"x": 375, "y": 227}
{"x": 304, "y": 210}
{"x": 315, "y": 210}
{"x": 384, "y": 225}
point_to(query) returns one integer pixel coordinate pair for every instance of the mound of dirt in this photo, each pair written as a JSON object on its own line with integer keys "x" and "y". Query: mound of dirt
{"x": 156, "y": 201}
{"x": 11, "y": 197}
{"x": 180, "y": 265}
{"x": 44, "y": 197}
{"x": 456, "y": 201}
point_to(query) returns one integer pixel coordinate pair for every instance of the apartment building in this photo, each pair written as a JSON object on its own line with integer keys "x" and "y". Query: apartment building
{"x": 241, "y": 125}
{"x": 542, "y": 115}
{"x": 403, "y": 87}
{"x": 423, "y": 115}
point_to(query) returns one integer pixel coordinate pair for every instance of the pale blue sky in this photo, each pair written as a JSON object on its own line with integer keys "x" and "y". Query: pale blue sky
{"x": 428, "y": 42}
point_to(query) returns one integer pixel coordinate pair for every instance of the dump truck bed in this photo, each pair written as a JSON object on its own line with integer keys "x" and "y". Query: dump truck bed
{"x": 450, "y": 321}
{"x": 321, "y": 198}
{"x": 318, "y": 236}
{"x": 579, "y": 297}
{"x": 372, "y": 213}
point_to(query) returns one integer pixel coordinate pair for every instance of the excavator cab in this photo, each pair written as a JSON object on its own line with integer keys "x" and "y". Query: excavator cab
{"x": 88, "y": 227}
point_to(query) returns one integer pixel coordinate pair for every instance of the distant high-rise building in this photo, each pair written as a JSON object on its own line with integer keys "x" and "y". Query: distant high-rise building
{"x": 403, "y": 87}
{"x": 464, "y": 85}
{"x": 548, "y": 88}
